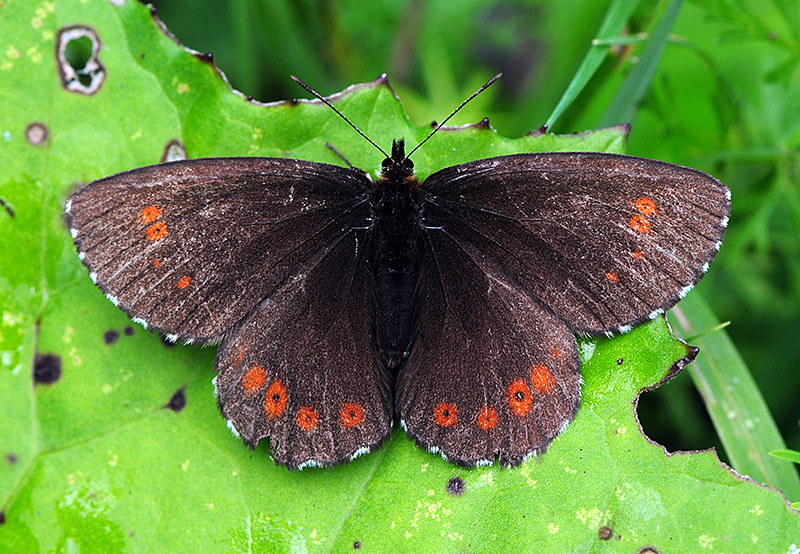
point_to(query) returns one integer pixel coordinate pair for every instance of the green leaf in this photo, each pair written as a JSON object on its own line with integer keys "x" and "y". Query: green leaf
{"x": 95, "y": 461}
{"x": 737, "y": 409}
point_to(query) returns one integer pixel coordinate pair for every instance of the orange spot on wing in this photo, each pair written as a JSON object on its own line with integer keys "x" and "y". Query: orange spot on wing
{"x": 351, "y": 414}
{"x": 239, "y": 351}
{"x": 519, "y": 398}
{"x": 645, "y": 205}
{"x": 150, "y": 214}
{"x": 307, "y": 418}
{"x": 639, "y": 224}
{"x": 275, "y": 403}
{"x": 445, "y": 414}
{"x": 156, "y": 231}
{"x": 638, "y": 254}
{"x": 613, "y": 277}
{"x": 156, "y": 263}
{"x": 184, "y": 282}
{"x": 254, "y": 379}
{"x": 556, "y": 354}
{"x": 487, "y": 418}
{"x": 541, "y": 379}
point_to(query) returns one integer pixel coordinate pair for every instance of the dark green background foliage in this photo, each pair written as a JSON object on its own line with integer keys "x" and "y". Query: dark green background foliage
{"x": 95, "y": 462}
{"x": 723, "y": 99}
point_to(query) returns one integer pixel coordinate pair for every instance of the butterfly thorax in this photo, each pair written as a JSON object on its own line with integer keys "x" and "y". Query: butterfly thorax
{"x": 396, "y": 262}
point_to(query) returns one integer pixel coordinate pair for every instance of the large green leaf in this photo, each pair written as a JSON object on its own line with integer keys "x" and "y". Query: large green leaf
{"x": 98, "y": 461}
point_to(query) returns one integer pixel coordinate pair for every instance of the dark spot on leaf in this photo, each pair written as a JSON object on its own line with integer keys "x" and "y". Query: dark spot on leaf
{"x": 128, "y": 331}
{"x": 620, "y": 361}
{"x": 537, "y": 132}
{"x": 456, "y": 486}
{"x": 605, "y": 532}
{"x": 168, "y": 343}
{"x": 36, "y": 133}
{"x": 111, "y": 336}
{"x": 2, "y": 517}
{"x": 207, "y": 57}
{"x": 178, "y": 401}
{"x": 77, "y": 49}
{"x": 11, "y": 458}
{"x": 483, "y": 124}
{"x": 141, "y": 55}
{"x": 8, "y": 208}
{"x": 46, "y": 369}
{"x": 356, "y": 545}
{"x": 249, "y": 97}
{"x": 174, "y": 150}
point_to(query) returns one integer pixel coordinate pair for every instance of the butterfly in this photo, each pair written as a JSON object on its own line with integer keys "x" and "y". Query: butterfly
{"x": 342, "y": 303}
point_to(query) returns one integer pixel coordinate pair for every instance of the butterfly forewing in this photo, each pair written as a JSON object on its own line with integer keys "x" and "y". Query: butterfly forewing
{"x": 190, "y": 247}
{"x": 493, "y": 374}
{"x": 605, "y": 240}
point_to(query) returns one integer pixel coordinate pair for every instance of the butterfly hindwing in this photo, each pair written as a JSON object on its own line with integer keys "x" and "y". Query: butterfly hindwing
{"x": 607, "y": 241}
{"x": 493, "y": 373}
{"x": 300, "y": 368}
{"x": 190, "y": 247}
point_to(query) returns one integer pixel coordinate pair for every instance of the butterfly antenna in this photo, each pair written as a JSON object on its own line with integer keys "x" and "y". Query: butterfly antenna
{"x": 340, "y": 114}
{"x": 464, "y": 103}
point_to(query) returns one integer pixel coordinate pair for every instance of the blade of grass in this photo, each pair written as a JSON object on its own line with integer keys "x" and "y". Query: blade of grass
{"x": 733, "y": 400}
{"x": 629, "y": 95}
{"x": 618, "y": 13}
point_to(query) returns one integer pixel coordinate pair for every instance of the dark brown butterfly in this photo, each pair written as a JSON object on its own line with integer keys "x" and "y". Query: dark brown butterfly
{"x": 342, "y": 303}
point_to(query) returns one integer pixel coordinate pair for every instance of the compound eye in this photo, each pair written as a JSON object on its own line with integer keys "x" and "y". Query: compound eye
{"x": 386, "y": 162}
{"x": 408, "y": 163}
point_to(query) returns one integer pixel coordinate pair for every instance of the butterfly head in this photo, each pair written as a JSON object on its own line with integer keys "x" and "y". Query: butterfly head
{"x": 397, "y": 166}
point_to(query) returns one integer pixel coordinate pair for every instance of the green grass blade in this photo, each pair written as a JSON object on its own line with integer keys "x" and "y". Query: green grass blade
{"x": 733, "y": 400}
{"x": 791, "y": 455}
{"x": 616, "y": 18}
{"x": 626, "y": 102}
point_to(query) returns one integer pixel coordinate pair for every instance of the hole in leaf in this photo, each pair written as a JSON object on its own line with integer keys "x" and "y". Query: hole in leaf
{"x": 79, "y": 66}
{"x": 36, "y": 133}
{"x": 174, "y": 150}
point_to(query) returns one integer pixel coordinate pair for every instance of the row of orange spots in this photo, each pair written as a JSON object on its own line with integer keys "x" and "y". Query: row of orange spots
{"x": 639, "y": 223}
{"x": 157, "y": 231}
{"x": 351, "y": 414}
{"x": 518, "y": 396}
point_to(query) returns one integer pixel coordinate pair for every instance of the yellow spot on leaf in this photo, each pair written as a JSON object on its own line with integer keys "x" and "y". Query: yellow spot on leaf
{"x": 552, "y": 528}
{"x": 13, "y": 53}
{"x": 706, "y": 541}
{"x": 185, "y": 465}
